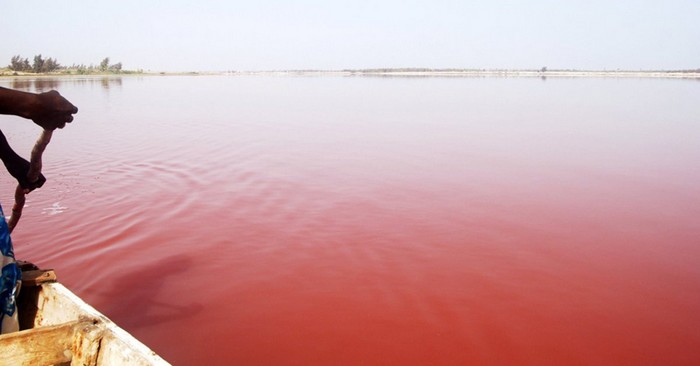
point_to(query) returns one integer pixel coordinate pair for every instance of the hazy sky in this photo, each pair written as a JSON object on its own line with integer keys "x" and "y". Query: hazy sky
{"x": 208, "y": 35}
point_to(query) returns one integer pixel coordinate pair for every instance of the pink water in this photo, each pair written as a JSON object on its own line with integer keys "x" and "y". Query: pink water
{"x": 380, "y": 221}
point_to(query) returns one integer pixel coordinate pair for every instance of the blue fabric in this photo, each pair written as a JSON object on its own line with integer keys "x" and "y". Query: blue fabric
{"x": 5, "y": 242}
{"x": 11, "y": 274}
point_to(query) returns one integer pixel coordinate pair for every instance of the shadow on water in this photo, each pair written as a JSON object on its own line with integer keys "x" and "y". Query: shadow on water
{"x": 133, "y": 297}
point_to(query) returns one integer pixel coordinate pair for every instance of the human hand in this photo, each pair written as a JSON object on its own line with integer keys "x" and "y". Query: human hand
{"x": 50, "y": 110}
{"x": 18, "y": 167}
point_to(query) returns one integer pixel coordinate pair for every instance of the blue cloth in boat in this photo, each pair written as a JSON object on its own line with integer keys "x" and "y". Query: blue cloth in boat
{"x": 9, "y": 281}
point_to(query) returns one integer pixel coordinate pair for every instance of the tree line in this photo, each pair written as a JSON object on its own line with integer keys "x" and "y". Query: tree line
{"x": 45, "y": 65}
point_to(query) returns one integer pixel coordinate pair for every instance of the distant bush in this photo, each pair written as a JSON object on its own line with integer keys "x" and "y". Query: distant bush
{"x": 41, "y": 65}
{"x": 18, "y": 63}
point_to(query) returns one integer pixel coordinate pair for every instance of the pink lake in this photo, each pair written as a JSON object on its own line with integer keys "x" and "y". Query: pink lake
{"x": 371, "y": 220}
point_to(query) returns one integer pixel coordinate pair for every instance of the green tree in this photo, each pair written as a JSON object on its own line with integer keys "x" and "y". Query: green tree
{"x": 116, "y": 68}
{"x": 38, "y": 65}
{"x": 17, "y": 63}
{"x": 104, "y": 65}
{"x": 51, "y": 65}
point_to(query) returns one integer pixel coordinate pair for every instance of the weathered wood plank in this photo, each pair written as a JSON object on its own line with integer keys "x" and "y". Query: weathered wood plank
{"x": 37, "y": 277}
{"x": 41, "y": 346}
{"x": 120, "y": 348}
{"x": 56, "y": 305}
{"x": 53, "y": 306}
{"x": 86, "y": 344}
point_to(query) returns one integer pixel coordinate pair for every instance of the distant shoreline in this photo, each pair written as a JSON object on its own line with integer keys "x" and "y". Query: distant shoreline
{"x": 690, "y": 74}
{"x": 482, "y": 73}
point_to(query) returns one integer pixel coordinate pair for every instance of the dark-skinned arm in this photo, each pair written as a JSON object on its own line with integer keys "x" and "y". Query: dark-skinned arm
{"x": 17, "y": 166}
{"x": 49, "y": 110}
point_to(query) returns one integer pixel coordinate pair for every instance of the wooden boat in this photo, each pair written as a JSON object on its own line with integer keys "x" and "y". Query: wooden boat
{"x": 58, "y": 328}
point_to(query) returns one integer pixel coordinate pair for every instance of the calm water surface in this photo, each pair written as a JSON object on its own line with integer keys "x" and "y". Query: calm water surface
{"x": 387, "y": 221}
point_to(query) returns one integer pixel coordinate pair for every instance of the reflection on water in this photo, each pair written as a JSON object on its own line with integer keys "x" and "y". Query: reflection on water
{"x": 40, "y": 85}
{"x": 392, "y": 221}
{"x": 36, "y": 85}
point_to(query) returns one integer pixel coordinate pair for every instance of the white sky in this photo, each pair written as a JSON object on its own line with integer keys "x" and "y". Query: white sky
{"x": 210, "y": 35}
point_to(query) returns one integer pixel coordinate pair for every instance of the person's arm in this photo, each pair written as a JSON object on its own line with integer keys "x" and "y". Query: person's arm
{"x": 48, "y": 110}
{"x": 17, "y": 166}
{"x": 15, "y": 102}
